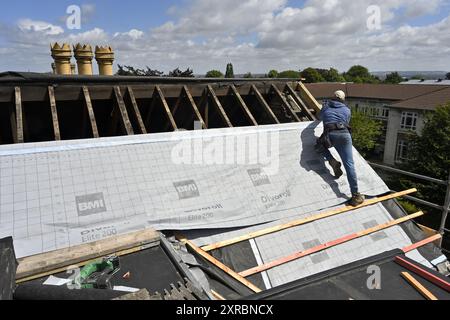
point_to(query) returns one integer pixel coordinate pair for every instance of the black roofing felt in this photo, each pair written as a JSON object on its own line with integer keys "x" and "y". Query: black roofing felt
{"x": 150, "y": 269}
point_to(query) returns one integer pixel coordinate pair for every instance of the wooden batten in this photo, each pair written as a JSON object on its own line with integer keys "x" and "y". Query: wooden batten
{"x": 123, "y": 111}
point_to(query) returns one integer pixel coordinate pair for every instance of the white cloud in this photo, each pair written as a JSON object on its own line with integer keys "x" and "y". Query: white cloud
{"x": 258, "y": 35}
{"x": 39, "y": 26}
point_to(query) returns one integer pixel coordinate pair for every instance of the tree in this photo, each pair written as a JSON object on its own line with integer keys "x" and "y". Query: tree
{"x": 248, "y": 75}
{"x": 447, "y": 76}
{"x": 394, "y": 78}
{"x": 360, "y": 74}
{"x": 431, "y": 152}
{"x": 366, "y": 132}
{"x": 289, "y": 74}
{"x": 131, "y": 71}
{"x": 214, "y": 74}
{"x": 230, "y": 71}
{"x": 177, "y": 73}
{"x": 333, "y": 75}
{"x": 311, "y": 75}
{"x": 272, "y": 74}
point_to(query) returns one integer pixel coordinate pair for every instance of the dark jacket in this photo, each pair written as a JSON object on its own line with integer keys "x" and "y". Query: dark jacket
{"x": 335, "y": 112}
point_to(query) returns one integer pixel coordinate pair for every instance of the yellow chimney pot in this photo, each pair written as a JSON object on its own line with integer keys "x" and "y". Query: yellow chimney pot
{"x": 84, "y": 56}
{"x": 62, "y": 56}
{"x": 105, "y": 60}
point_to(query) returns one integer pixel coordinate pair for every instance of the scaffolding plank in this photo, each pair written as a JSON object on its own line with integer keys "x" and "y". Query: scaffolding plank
{"x": 166, "y": 107}
{"x": 300, "y": 102}
{"x": 51, "y": 94}
{"x": 264, "y": 103}
{"x": 88, "y": 102}
{"x": 18, "y": 135}
{"x": 218, "y": 264}
{"x": 327, "y": 245}
{"x": 243, "y": 106}
{"x": 123, "y": 111}
{"x": 296, "y": 223}
{"x": 136, "y": 111}
{"x": 219, "y": 107}
{"x": 284, "y": 102}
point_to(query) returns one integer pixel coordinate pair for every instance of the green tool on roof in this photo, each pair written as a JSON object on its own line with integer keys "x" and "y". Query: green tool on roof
{"x": 97, "y": 275}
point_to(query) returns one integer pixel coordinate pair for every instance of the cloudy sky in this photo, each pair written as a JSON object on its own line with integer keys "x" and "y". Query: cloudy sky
{"x": 255, "y": 35}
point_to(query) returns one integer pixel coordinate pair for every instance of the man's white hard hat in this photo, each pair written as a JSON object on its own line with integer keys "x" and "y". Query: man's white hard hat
{"x": 340, "y": 95}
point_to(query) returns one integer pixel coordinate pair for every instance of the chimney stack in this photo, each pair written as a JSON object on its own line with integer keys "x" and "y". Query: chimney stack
{"x": 62, "y": 55}
{"x": 105, "y": 60}
{"x": 84, "y": 57}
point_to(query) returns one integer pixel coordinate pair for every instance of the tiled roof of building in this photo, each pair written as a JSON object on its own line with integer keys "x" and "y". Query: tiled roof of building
{"x": 390, "y": 92}
{"x": 428, "y": 101}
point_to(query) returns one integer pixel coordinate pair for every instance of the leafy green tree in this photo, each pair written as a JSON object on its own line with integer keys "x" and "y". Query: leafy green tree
{"x": 272, "y": 74}
{"x": 214, "y": 74}
{"x": 248, "y": 75}
{"x": 311, "y": 75}
{"x": 360, "y": 74}
{"x": 366, "y": 132}
{"x": 431, "y": 151}
{"x": 393, "y": 78}
{"x": 230, "y": 71}
{"x": 289, "y": 74}
{"x": 333, "y": 75}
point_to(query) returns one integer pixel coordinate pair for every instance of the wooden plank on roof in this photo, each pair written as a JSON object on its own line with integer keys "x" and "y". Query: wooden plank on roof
{"x": 264, "y": 103}
{"x": 123, "y": 111}
{"x": 88, "y": 102}
{"x": 136, "y": 111}
{"x": 18, "y": 135}
{"x": 45, "y": 262}
{"x": 285, "y": 103}
{"x": 219, "y": 107}
{"x": 218, "y": 264}
{"x": 300, "y": 102}
{"x": 300, "y": 222}
{"x": 418, "y": 286}
{"x": 243, "y": 106}
{"x": 51, "y": 94}
{"x": 423, "y": 273}
{"x": 422, "y": 243}
{"x": 324, "y": 246}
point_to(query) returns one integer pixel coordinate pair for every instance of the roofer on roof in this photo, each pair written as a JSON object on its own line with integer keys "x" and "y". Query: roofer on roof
{"x": 336, "y": 117}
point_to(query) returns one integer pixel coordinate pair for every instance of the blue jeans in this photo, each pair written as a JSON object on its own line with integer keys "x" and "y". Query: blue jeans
{"x": 342, "y": 142}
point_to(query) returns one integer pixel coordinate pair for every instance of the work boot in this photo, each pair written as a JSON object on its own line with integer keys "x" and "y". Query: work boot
{"x": 356, "y": 200}
{"x": 336, "y": 165}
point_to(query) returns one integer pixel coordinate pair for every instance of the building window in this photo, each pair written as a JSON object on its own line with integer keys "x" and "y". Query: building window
{"x": 385, "y": 113}
{"x": 403, "y": 151}
{"x": 409, "y": 121}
